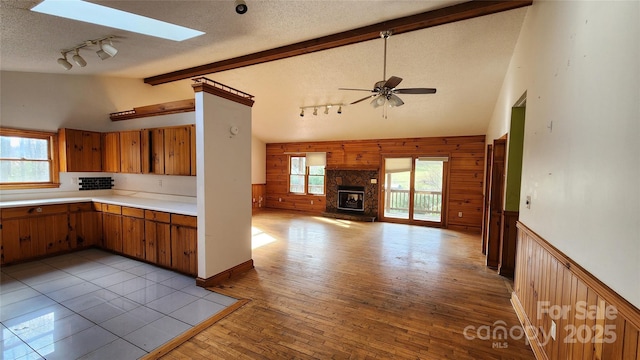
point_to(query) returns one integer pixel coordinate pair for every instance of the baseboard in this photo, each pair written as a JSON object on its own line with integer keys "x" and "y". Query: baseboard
{"x": 225, "y": 275}
{"x": 535, "y": 344}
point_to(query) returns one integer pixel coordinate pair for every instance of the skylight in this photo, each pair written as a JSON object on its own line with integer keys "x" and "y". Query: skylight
{"x": 106, "y": 16}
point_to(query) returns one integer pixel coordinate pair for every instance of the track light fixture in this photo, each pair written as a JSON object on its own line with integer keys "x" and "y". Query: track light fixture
{"x": 326, "y": 108}
{"x": 64, "y": 62}
{"x": 105, "y": 51}
{"x": 79, "y": 60}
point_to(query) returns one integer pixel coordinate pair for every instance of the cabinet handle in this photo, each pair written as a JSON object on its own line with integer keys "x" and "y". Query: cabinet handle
{"x": 39, "y": 209}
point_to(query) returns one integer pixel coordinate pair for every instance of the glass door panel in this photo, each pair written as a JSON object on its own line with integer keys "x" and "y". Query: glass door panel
{"x": 397, "y": 187}
{"x": 427, "y": 194}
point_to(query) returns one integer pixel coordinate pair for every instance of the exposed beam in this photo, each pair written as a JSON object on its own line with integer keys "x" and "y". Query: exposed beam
{"x": 401, "y": 25}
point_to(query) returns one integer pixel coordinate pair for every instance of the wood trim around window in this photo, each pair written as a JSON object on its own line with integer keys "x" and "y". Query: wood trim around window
{"x": 54, "y": 175}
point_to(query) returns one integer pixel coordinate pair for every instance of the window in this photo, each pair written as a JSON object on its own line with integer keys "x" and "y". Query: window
{"x": 305, "y": 178}
{"x": 27, "y": 159}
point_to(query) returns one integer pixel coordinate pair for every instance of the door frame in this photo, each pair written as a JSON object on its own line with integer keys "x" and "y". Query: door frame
{"x": 445, "y": 190}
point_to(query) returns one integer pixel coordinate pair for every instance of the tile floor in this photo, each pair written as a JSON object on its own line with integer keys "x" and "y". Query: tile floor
{"x": 96, "y": 305}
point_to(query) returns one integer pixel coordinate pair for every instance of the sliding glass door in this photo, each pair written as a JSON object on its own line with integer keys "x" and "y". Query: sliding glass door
{"x": 413, "y": 189}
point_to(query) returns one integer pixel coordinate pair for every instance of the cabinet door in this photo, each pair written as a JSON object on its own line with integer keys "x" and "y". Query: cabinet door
{"x": 16, "y": 240}
{"x": 130, "y": 152}
{"x": 156, "y": 148}
{"x": 133, "y": 237}
{"x": 177, "y": 150}
{"x": 52, "y": 233}
{"x": 183, "y": 249}
{"x": 158, "y": 243}
{"x": 111, "y": 152}
{"x": 80, "y": 150}
{"x": 86, "y": 228}
{"x": 91, "y": 151}
{"x": 112, "y": 231}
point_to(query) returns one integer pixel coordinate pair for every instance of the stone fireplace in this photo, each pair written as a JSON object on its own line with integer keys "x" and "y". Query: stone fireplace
{"x": 349, "y": 184}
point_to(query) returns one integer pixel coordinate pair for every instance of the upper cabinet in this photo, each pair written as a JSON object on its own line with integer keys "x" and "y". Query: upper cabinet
{"x": 130, "y": 152}
{"x": 111, "y": 152}
{"x": 177, "y": 150}
{"x": 80, "y": 150}
{"x": 162, "y": 151}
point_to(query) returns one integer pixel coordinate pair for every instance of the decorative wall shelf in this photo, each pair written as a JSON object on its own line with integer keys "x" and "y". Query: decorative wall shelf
{"x": 172, "y": 107}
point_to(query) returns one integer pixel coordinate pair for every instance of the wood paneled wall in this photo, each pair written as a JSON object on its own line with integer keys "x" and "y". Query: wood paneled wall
{"x": 592, "y": 321}
{"x": 466, "y": 164}
{"x": 258, "y": 199}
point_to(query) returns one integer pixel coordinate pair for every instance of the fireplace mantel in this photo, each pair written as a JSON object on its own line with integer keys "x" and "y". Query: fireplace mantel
{"x": 352, "y": 167}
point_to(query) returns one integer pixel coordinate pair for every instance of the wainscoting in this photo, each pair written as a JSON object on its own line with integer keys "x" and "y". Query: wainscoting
{"x": 258, "y": 198}
{"x": 591, "y": 320}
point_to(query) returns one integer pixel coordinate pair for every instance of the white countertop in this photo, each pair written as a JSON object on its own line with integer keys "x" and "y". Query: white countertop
{"x": 176, "y": 207}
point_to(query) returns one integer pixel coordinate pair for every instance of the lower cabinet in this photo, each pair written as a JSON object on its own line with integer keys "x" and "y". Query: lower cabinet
{"x": 32, "y": 232}
{"x": 85, "y": 225}
{"x": 184, "y": 240}
{"x": 157, "y": 231}
{"x": 168, "y": 240}
{"x": 112, "y": 227}
{"x": 133, "y": 234}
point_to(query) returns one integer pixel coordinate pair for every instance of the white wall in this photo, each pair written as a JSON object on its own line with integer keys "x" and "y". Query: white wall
{"x": 579, "y": 62}
{"x": 258, "y": 161}
{"x": 223, "y": 184}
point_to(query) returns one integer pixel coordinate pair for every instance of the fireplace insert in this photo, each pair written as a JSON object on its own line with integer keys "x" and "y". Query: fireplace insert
{"x": 351, "y": 198}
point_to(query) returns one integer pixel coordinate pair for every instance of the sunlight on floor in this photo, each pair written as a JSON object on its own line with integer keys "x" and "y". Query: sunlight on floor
{"x": 341, "y": 223}
{"x": 260, "y": 238}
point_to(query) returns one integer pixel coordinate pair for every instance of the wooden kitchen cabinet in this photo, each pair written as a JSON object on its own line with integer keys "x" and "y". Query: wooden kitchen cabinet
{"x": 157, "y": 229}
{"x": 133, "y": 235}
{"x": 130, "y": 152}
{"x": 85, "y": 225}
{"x": 184, "y": 240}
{"x": 177, "y": 150}
{"x": 112, "y": 227}
{"x": 35, "y": 231}
{"x": 193, "y": 149}
{"x": 80, "y": 150}
{"x": 111, "y": 152}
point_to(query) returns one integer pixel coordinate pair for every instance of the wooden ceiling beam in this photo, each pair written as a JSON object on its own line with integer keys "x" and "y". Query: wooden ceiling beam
{"x": 447, "y": 15}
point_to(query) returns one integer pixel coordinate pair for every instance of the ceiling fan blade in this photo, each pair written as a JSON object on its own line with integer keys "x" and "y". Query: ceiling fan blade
{"x": 392, "y": 82}
{"x": 363, "y": 99}
{"x": 415, "y": 91}
{"x": 369, "y": 90}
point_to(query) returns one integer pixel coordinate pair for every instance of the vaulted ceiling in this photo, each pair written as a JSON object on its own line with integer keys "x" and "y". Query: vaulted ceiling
{"x": 465, "y": 60}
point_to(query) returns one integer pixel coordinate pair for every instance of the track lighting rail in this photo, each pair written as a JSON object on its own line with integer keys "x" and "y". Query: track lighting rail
{"x": 104, "y": 52}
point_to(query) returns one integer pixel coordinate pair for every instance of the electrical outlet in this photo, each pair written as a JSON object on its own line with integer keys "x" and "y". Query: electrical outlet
{"x": 74, "y": 180}
{"x": 459, "y": 213}
{"x": 374, "y": 181}
{"x": 279, "y": 199}
{"x": 552, "y": 331}
{"x": 253, "y": 200}
{"x": 311, "y": 202}
{"x": 160, "y": 182}
{"x": 528, "y": 202}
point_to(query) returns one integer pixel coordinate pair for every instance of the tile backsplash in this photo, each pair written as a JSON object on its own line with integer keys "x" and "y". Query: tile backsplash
{"x": 95, "y": 183}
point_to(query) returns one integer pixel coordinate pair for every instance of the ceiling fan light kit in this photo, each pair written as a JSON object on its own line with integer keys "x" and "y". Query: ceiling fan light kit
{"x": 105, "y": 51}
{"x": 385, "y": 91}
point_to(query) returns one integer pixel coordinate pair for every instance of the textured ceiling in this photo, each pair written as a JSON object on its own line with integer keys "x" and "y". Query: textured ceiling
{"x": 466, "y": 61}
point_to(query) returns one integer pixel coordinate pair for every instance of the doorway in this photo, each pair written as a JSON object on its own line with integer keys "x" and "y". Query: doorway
{"x": 413, "y": 190}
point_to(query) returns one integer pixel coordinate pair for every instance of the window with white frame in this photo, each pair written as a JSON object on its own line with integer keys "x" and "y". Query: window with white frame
{"x": 27, "y": 159}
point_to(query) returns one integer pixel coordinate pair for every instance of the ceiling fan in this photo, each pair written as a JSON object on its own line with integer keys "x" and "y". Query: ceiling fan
{"x": 385, "y": 91}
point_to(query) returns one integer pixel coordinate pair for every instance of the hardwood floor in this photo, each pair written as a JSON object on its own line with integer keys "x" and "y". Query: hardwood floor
{"x": 334, "y": 289}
